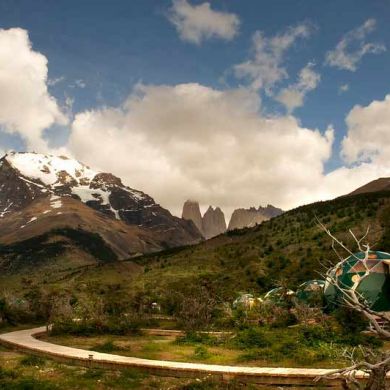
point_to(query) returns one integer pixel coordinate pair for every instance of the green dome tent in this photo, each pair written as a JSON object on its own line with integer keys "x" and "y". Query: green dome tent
{"x": 309, "y": 291}
{"x": 279, "y": 295}
{"x": 374, "y": 288}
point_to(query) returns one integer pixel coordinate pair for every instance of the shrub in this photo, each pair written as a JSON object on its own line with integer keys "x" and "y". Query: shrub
{"x": 94, "y": 373}
{"x": 201, "y": 353}
{"x": 32, "y": 360}
{"x": 251, "y": 338}
{"x": 350, "y": 320}
{"x": 116, "y": 326}
{"x": 198, "y": 338}
{"x": 106, "y": 347}
{"x": 312, "y": 335}
{"x": 7, "y": 374}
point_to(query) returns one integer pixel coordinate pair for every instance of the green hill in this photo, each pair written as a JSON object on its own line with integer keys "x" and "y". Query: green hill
{"x": 290, "y": 247}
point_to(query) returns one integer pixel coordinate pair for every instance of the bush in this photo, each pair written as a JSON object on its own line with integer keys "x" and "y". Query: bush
{"x": 312, "y": 335}
{"x": 201, "y": 353}
{"x": 106, "y": 347}
{"x": 94, "y": 373}
{"x": 7, "y": 374}
{"x": 32, "y": 360}
{"x": 251, "y": 338}
{"x": 350, "y": 320}
{"x": 197, "y": 338}
{"x": 118, "y": 326}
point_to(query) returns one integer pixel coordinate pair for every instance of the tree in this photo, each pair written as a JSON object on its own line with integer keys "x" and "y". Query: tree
{"x": 196, "y": 310}
{"x": 375, "y": 365}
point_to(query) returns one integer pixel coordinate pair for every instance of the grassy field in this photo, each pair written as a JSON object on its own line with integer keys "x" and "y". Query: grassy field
{"x": 283, "y": 349}
{"x": 19, "y": 371}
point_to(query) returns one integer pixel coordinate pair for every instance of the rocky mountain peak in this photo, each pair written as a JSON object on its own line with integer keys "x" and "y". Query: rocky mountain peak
{"x": 213, "y": 222}
{"x": 250, "y": 217}
{"x": 191, "y": 212}
{"x": 25, "y": 177}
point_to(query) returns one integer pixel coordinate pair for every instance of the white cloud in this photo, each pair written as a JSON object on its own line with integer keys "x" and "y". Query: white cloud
{"x": 26, "y": 107}
{"x": 265, "y": 68}
{"x": 353, "y": 46}
{"x": 191, "y": 141}
{"x": 293, "y": 96}
{"x": 368, "y": 137}
{"x": 343, "y": 88}
{"x": 80, "y": 83}
{"x": 195, "y": 23}
{"x": 56, "y": 80}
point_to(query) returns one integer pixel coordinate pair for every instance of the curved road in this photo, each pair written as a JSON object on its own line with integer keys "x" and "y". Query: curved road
{"x": 24, "y": 340}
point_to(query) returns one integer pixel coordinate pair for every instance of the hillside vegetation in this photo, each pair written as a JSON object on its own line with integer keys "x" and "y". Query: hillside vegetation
{"x": 288, "y": 249}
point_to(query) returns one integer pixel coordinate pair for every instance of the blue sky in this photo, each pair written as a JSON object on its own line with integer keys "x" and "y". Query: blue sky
{"x": 99, "y": 50}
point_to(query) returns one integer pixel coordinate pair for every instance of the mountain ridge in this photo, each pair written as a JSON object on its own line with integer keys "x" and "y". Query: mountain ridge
{"x": 59, "y": 183}
{"x": 213, "y": 223}
{"x": 380, "y": 184}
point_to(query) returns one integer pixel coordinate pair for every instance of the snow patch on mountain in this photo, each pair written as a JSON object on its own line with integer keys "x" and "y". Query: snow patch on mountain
{"x": 47, "y": 168}
{"x": 55, "y": 202}
{"x": 87, "y": 194}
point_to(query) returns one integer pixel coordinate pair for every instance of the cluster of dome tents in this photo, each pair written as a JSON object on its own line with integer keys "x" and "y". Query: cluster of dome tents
{"x": 373, "y": 288}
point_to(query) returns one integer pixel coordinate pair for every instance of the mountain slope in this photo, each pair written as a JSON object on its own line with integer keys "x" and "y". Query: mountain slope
{"x": 40, "y": 192}
{"x": 290, "y": 247}
{"x": 381, "y": 184}
{"x": 53, "y": 212}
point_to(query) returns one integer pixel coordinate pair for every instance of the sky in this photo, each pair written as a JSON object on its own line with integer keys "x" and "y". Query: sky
{"x": 234, "y": 103}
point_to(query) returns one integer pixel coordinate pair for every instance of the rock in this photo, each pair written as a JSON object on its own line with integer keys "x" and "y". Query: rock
{"x": 213, "y": 222}
{"x": 191, "y": 212}
{"x": 242, "y": 218}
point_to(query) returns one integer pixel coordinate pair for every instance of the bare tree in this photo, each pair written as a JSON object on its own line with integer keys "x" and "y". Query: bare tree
{"x": 196, "y": 310}
{"x": 374, "y": 364}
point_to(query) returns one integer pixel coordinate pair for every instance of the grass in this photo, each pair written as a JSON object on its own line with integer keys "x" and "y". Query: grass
{"x": 107, "y": 347}
{"x": 17, "y": 372}
{"x": 259, "y": 347}
{"x": 32, "y": 360}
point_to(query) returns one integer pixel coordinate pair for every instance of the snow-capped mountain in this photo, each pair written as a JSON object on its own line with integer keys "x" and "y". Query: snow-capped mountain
{"x": 28, "y": 178}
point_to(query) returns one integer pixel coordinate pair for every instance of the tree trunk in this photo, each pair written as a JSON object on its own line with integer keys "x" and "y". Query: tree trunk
{"x": 377, "y": 379}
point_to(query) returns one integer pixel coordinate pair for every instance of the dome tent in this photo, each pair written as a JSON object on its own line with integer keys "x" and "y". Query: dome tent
{"x": 245, "y": 301}
{"x": 279, "y": 295}
{"x": 310, "y": 289}
{"x": 374, "y": 288}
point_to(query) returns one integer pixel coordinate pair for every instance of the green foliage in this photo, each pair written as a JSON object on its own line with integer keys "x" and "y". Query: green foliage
{"x": 253, "y": 337}
{"x": 32, "y": 360}
{"x": 41, "y": 248}
{"x": 290, "y": 247}
{"x": 11, "y": 380}
{"x": 94, "y": 373}
{"x": 115, "y": 326}
{"x": 201, "y": 353}
{"x": 350, "y": 320}
{"x": 107, "y": 347}
{"x": 92, "y": 243}
{"x": 7, "y": 374}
